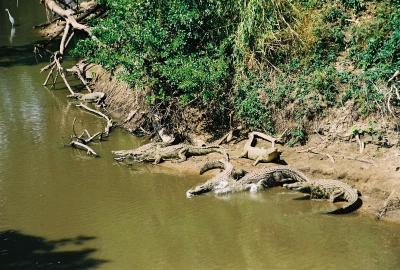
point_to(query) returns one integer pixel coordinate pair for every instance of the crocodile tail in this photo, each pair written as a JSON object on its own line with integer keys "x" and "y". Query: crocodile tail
{"x": 209, "y": 165}
{"x": 224, "y": 153}
{"x": 349, "y": 207}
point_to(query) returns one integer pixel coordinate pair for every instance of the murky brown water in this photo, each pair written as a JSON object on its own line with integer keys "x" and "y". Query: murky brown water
{"x": 60, "y": 209}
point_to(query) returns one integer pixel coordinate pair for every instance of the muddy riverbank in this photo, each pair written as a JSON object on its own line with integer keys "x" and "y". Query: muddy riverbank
{"x": 375, "y": 172}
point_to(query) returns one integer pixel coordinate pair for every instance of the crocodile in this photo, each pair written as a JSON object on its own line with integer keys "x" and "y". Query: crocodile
{"x": 121, "y": 155}
{"x": 159, "y": 152}
{"x": 331, "y": 190}
{"x": 256, "y": 180}
{"x": 259, "y": 154}
{"x": 220, "y": 180}
{"x": 264, "y": 178}
{"x": 97, "y": 97}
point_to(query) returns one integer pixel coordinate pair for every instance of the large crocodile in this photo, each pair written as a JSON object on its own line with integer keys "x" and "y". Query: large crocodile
{"x": 259, "y": 154}
{"x": 253, "y": 181}
{"x": 264, "y": 178}
{"x": 331, "y": 190}
{"x": 97, "y": 97}
{"x": 121, "y": 155}
{"x": 158, "y": 152}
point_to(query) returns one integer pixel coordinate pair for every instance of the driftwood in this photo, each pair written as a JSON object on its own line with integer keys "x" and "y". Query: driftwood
{"x": 79, "y": 145}
{"x": 109, "y": 123}
{"x": 80, "y": 142}
{"x": 67, "y": 15}
{"x": 228, "y": 137}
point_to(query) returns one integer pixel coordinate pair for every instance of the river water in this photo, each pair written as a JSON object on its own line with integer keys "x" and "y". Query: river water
{"x": 60, "y": 209}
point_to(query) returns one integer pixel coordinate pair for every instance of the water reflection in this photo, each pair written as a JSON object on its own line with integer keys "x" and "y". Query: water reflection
{"x": 31, "y": 109}
{"x": 12, "y": 34}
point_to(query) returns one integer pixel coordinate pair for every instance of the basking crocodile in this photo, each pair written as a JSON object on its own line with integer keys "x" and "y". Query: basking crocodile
{"x": 97, "y": 97}
{"x": 260, "y": 154}
{"x": 264, "y": 178}
{"x": 331, "y": 190}
{"x": 121, "y": 155}
{"x": 158, "y": 152}
{"x": 253, "y": 181}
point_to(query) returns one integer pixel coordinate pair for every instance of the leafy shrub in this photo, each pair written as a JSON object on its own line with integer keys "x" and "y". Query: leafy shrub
{"x": 255, "y": 57}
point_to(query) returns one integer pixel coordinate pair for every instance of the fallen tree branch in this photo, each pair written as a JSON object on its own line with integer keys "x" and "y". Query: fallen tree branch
{"x": 61, "y": 71}
{"x": 228, "y": 137}
{"x": 67, "y": 15}
{"x": 79, "y": 145}
{"x": 109, "y": 124}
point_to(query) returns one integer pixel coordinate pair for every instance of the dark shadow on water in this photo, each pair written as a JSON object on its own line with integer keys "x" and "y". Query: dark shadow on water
{"x": 19, "y": 251}
{"x": 21, "y": 55}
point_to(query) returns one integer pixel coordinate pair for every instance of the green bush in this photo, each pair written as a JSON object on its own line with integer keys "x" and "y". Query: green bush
{"x": 254, "y": 57}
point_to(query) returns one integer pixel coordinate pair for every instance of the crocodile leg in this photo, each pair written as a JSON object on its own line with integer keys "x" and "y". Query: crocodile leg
{"x": 182, "y": 155}
{"x": 157, "y": 159}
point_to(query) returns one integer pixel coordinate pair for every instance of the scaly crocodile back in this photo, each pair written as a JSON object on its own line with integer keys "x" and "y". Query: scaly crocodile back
{"x": 264, "y": 173}
{"x": 210, "y": 165}
{"x": 201, "y": 150}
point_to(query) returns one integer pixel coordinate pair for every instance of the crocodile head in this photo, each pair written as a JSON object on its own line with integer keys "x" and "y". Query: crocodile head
{"x": 211, "y": 185}
{"x": 198, "y": 190}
